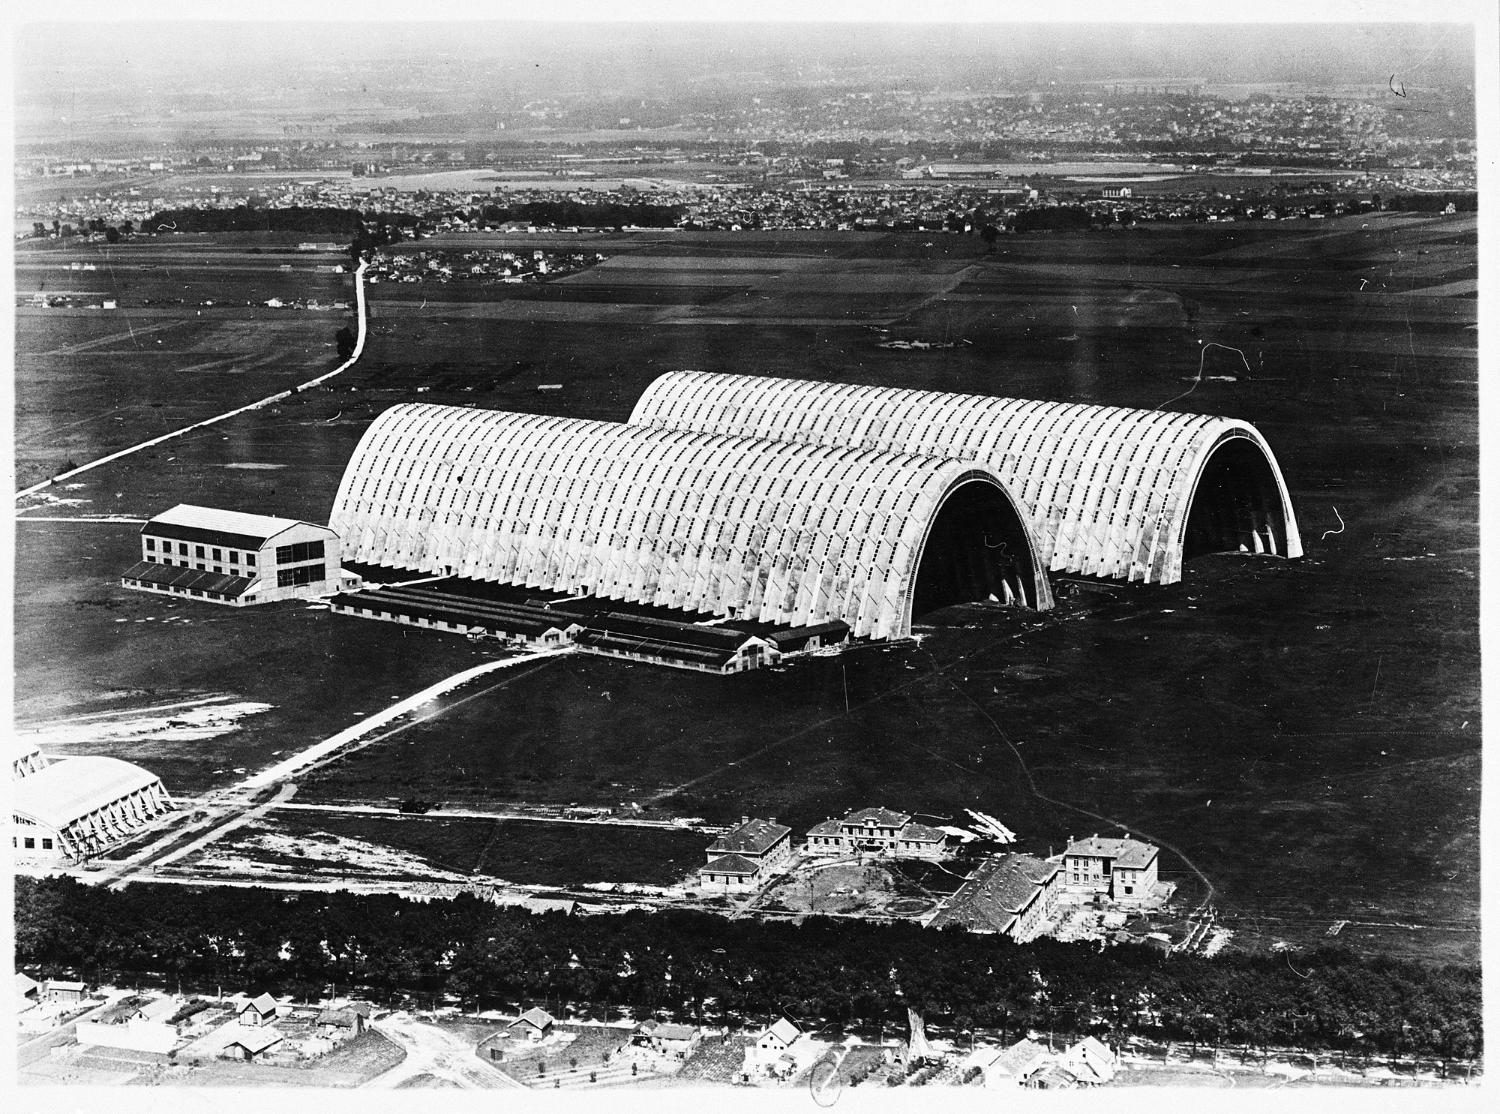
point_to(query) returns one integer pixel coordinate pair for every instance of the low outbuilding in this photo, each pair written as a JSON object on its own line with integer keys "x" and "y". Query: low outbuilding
{"x": 248, "y": 1042}
{"x": 535, "y": 1024}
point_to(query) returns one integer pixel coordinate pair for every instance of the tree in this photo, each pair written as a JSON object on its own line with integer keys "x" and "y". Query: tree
{"x": 112, "y": 235}
{"x": 345, "y": 340}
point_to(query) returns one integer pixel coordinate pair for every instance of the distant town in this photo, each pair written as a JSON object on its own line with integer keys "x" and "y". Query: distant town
{"x": 847, "y": 160}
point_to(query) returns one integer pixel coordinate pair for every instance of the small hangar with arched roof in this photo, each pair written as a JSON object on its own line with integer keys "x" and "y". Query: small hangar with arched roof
{"x": 1107, "y": 490}
{"x": 69, "y": 809}
{"x": 754, "y": 528}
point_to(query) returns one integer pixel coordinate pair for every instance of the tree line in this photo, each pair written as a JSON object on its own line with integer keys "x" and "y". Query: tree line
{"x": 256, "y": 218}
{"x": 853, "y": 974}
{"x": 587, "y": 214}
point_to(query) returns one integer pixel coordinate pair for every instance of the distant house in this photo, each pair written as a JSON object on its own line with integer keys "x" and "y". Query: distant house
{"x": 28, "y": 991}
{"x": 535, "y": 1024}
{"x": 64, "y": 991}
{"x": 1015, "y": 1066}
{"x": 155, "y": 1009}
{"x": 350, "y": 1021}
{"x": 258, "y": 1010}
{"x": 1092, "y": 1062}
{"x": 668, "y": 1038}
{"x": 248, "y": 1043}
{"x": 1125, "y": 870}
{"x": 1012, "y": 894}
{"x": 740, "y": 859}
{"x": 729, "y": 873}
{"x": 1053, "y": 1077}
{"x": 776, "y": 1038}
{"x": 138, "y": 1010}
{"x": 877, "y": 831}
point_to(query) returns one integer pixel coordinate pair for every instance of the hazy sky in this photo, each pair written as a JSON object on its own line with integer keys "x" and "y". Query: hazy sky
{"x": 635, "y": 54}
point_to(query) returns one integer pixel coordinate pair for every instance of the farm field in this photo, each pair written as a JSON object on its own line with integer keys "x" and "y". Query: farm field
{"x": 1305, "y": 736}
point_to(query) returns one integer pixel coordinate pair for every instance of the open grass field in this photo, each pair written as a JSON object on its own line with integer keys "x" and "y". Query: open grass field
{"x": 1305, "y": 735}
{"x": 518, "y": 851}
{"x": 190, "y": 336}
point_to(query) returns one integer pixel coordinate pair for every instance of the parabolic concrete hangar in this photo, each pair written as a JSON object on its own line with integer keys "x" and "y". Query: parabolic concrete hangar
{"x": 750, "y": 528}
{"x": 774, "y": 504}
{"x": 1107, "y": 490}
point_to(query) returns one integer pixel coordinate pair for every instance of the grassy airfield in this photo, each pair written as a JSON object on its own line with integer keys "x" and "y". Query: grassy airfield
{"x": 1306, "y": 735}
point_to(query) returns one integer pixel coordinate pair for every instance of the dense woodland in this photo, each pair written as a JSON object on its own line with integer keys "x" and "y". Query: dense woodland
{"x": 255, "y": 218}
{"x": 823, "y": 971}
{"x": 598, "y": 214}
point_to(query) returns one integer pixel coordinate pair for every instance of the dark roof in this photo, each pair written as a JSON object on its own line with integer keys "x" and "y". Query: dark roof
{"x": 202, "y": 536}
{"x": 667, "y": 651}
{"x": 883, "y": 817}
{"x": 833, "y": 630}
{"x": 824, "y": 828}
{"x": 413, "y": 604}
{"x": 345, "y": 1018}
{"x": 718, "y": 639}
{"x": 177, "y": 576}
{"x": 730, "y": 864}
{"x": 754, "y": 837}
{"x": 995, "y": 893}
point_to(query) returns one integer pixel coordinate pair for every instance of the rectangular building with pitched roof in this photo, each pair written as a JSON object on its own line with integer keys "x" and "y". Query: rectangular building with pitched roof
{"x": 877, "y": 831}
{"x": 1012, "y": 894}
{"x": 1125, "y": 870}
{"x": 233, "y": 558}
{"x": 740, "y": 859}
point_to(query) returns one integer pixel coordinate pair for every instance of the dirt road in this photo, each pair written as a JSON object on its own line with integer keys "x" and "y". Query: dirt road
{"x": 431, "y": 1051}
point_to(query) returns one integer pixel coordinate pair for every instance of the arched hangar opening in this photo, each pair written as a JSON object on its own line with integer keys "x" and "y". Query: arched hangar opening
{"x": 1237, "y": 505}
{"x": 978, "y": 548}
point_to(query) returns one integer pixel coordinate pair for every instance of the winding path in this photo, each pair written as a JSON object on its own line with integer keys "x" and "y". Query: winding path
{"x": 359, "y": 347}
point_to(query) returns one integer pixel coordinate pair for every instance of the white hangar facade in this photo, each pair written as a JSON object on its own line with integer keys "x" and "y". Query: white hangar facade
{"x": 1107, "y": 491}
{"x": 755, "y": 528}
{"x": 66, "y": 810}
